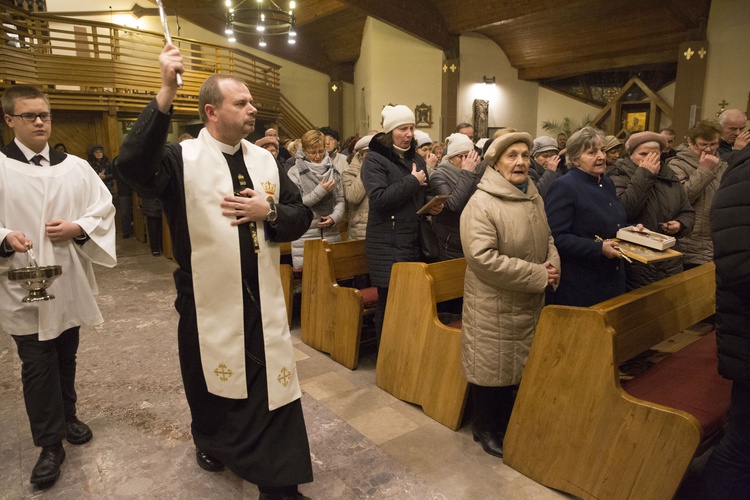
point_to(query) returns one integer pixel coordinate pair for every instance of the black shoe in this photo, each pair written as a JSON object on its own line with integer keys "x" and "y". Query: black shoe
{"x": 47, "y": 468}
{"x": 156, "y": 253}
{"x": 76, "y": 432}
{"x": 207, "y": 462}
{"x": 492, "y": 441}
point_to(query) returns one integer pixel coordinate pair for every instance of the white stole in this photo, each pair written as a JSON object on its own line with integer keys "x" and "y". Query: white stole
{"x": 217, "y": 275}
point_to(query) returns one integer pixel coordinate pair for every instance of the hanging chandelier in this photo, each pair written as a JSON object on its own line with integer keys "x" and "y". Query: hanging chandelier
{"x": 260, "y": 20}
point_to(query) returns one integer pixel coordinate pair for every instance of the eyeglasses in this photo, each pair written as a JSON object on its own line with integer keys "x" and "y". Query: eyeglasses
{"x": 31, "y": 117}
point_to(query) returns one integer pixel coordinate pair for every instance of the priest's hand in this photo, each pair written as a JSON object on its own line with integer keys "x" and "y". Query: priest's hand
{"x": 59, "y": 230}
{"x": 170, "y": 62}
{"x": 248, "y": 206}
{"x": 17, "y": 242}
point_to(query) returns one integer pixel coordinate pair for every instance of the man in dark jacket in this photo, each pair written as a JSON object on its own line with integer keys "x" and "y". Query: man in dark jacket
{"x": 727, "y": 472}
{"x": 734, "y": 137}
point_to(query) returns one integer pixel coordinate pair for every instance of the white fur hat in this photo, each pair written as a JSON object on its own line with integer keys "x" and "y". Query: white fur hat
{"x": 458, "y": 144}
{"x": 395, "y": 116}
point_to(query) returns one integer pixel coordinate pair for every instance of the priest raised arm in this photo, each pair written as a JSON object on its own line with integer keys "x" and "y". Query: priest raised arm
{"x": 228, "y": 205}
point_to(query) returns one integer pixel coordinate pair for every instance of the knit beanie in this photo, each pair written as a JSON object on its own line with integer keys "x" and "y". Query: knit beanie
{"x": 544, "y": 143}
{"x": 395, "y": 116}
{"x": 363, "y": 143}
{"x": 458, "y": 144}
{"x": 422, "y": 138}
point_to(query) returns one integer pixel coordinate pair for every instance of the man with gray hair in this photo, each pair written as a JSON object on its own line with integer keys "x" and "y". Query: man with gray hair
{"x": 228, "y": 205}
{"x": 734, "y": 137}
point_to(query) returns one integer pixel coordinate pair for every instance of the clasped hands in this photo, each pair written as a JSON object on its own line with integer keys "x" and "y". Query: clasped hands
{"x": 248, "y": 205}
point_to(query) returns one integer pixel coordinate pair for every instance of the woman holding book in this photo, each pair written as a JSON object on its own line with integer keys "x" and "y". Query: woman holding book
{"x": 653, "y": 196}
{"x": 583, "y": 213}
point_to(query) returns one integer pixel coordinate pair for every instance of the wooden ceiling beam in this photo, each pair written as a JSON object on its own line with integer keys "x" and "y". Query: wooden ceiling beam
{"x": 428, "y": 26}
{"x": 532, "y": 73}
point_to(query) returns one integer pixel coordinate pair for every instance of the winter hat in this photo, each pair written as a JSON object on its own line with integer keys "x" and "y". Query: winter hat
{"x": 544, "y": 143}
{"x": 503, "y": 142}
{"x": 458, "y": 144}
{"x": 481, "y": 142}
{"x": 639, "y": 138}
{"x": 363, "y": 143}
{"x": 265, "y": 141}
{"x": 422, "y": 138}
{"x": 611, "y": 142}
{"x": 395, "y": 116}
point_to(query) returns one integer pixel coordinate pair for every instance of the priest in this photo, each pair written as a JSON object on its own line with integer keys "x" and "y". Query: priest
{"x": 228, "y": 206}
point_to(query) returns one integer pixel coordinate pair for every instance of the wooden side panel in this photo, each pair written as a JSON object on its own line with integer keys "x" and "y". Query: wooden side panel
{"x": 331, "y": 315}
{"x": 573, "y": 428}
{"x": 419, "y": 359}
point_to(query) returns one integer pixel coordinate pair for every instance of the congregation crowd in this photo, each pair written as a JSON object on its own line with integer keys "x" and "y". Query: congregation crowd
{"x": 534, "y": 218}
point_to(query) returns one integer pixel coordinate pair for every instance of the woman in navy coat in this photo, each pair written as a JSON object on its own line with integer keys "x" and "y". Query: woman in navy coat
{"x": 581, "y": 206}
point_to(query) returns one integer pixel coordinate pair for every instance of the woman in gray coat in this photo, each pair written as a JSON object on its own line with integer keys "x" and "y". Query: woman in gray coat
{"x": 320, "y": 185}
{"x": 511, "y": 259}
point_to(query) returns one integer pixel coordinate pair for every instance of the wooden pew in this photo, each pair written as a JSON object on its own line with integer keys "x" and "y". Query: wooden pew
{"x": 331, "y": 314}
{"x": 573, "y": 426}
{"x": 419, "y": 359}
{"x": 287, "y": 280}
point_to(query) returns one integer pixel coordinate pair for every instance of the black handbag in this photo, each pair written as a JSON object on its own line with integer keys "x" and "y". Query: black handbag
{"x": 428, "y": 240}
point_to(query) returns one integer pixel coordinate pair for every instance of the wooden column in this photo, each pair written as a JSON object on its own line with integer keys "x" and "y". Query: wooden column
{"x": 449, "y": 100}
{"x": 336, "y": 105}
{"x": 688, "y": 95}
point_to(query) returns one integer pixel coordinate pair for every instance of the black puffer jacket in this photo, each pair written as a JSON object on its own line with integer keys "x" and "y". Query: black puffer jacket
{"x": 730, "y": 230}
{"x": 395, "y": 196}
{"x": 651, "y": 199}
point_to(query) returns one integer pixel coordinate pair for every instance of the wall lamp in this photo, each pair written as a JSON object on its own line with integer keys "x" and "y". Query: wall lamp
{"x": 488, "y": 80}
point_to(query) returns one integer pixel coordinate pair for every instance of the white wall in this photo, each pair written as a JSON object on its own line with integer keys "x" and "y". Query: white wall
{"x": 513, "y": 102}
{"x": 728, "y": 65}
{"x": 396, "y": 68}
{"x": 554, "y": 106}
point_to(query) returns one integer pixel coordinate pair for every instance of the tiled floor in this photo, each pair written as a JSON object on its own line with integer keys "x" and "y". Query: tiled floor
{"x": 364, "y": 442}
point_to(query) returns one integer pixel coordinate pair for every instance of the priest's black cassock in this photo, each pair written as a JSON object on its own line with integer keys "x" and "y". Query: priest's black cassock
{"x": 268, "y": 448}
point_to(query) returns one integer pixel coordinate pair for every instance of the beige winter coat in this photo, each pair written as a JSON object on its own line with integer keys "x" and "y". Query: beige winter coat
{"x": 357, "y": 203}
{"x": 506, "y": 241}
{"x": 700, "y": 185}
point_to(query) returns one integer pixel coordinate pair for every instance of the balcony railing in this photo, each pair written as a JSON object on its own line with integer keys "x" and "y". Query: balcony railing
{"x": 86, "y": 65}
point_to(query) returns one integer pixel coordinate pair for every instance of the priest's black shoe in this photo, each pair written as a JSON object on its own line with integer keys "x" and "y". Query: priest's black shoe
{"x": 492, "y": 441}
{"x": 207, "y": 462}
{"x": 76, "y": 432}
{"x": 47, "y": 468}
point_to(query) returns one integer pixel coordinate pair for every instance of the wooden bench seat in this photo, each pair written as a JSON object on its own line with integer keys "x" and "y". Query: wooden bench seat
{"x": 331, "y": 316}
{"x": 419, "y": 359}
{"x": 575, "y": 428}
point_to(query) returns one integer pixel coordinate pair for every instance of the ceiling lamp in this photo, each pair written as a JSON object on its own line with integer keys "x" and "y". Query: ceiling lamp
{"x": 260, "y": 20}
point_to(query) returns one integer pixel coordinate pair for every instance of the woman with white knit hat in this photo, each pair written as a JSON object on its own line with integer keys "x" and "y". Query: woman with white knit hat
{"x": 395, "y": 179}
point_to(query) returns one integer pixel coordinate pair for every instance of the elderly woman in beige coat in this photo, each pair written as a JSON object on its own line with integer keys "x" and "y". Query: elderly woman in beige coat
{"x": 511, "y": 260}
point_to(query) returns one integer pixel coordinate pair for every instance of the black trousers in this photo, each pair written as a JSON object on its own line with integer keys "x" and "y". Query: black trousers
{"x": 727, "y": 472}
{"x": 48, "y": 374}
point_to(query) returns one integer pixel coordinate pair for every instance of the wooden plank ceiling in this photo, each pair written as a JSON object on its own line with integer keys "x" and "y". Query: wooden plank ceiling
{"x": 545, "y": 40}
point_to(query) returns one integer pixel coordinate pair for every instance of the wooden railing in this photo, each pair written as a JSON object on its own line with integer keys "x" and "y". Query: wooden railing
{"x": 86, "y": 65}
{"x": 292, "y": 122}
